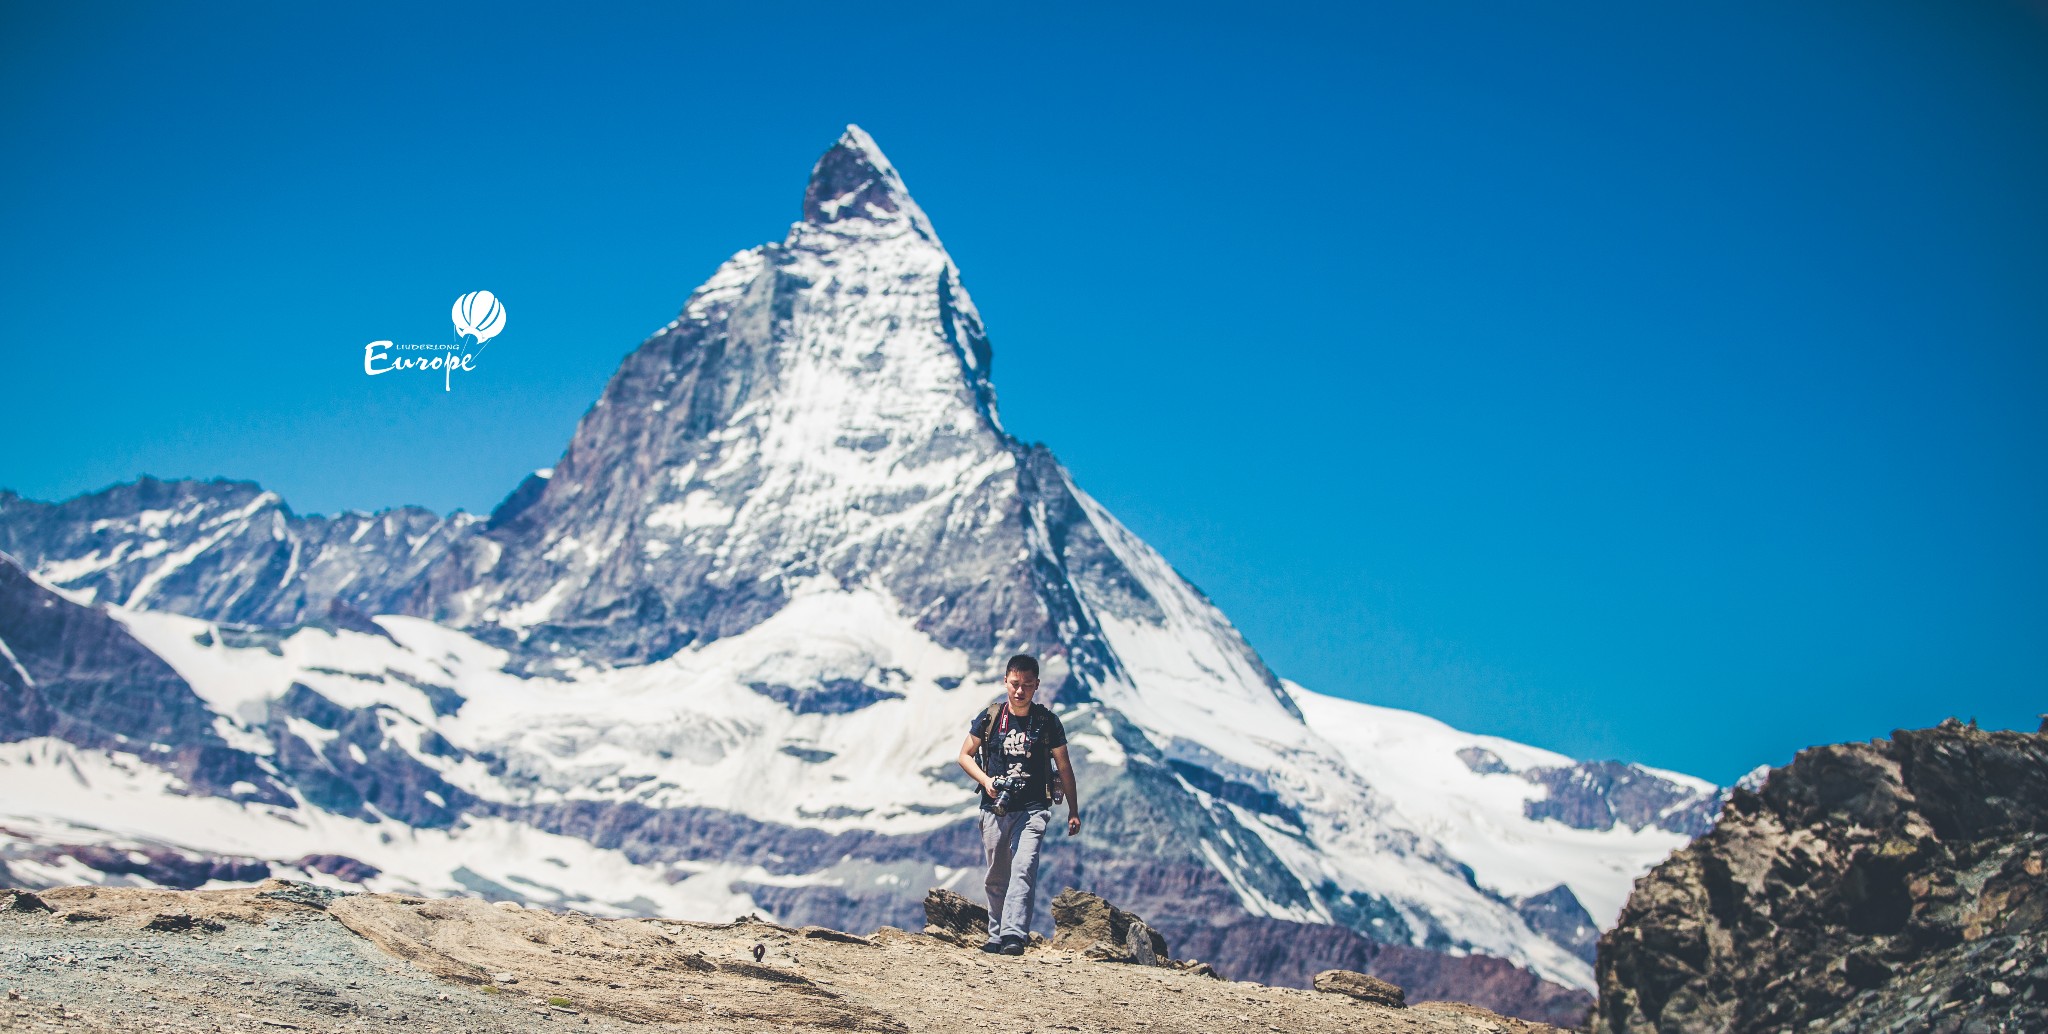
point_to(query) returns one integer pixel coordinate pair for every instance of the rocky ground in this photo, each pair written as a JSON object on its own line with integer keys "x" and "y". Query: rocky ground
{"x": 290, "y": 957}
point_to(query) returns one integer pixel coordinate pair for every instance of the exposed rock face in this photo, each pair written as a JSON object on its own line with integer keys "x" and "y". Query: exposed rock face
{"x": 1288, "y": 954}
{"x": 73, "y": 673}
{"x": 1604, "y": 794}
{"x": 230, "y": 551}
{"x": 950, "y": 917}
{"x": 1557, "y": 913}
{"x": 1890, "y": 886}
{"x": 1362, "y": 987}
{"x": 1084, "y": 924}
{"x": 339, "y": 866}
{"x": 1088, "y": 924}
{"x": 358, "y": 769}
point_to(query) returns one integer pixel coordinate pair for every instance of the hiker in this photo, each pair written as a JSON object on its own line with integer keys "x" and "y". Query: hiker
{"x": 1020, "y": 741}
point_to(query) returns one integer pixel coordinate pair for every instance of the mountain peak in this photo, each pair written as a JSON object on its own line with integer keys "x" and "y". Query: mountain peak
{"x": 853, "y": 183}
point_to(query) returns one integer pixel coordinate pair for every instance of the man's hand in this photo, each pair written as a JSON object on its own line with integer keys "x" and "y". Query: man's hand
{"x": 972, "y": 767}
{"x": 1072, "y": 794}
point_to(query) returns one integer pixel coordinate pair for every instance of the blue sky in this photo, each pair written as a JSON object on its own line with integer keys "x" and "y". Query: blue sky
{"x": 1651, "y": 383}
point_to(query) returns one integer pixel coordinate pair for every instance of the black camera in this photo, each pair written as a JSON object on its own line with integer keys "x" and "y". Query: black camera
{"x": 1007, "y": 788}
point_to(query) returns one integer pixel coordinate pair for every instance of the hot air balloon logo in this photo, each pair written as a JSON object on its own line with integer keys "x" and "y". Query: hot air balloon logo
{"x": 479, "y": 314}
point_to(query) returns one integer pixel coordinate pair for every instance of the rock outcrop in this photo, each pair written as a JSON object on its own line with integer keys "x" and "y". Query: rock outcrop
{"x": 74, "y": 673}
{"x": 1896, "y": 885}
{"x": 952, "y": 918}
{"x": 1083, "y": 923}
{"x": 1089, "y": 924}
{"x": 1362, "y": 987}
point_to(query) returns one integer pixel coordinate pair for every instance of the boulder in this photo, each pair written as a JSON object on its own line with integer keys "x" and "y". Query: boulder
{"x": 182, "y": 922}
{"x": 12, "y": 900}
{"x": 950, "y": 917}
{"x": 1361, "y": 987}
{"x": 825, "y": 933}
{"x": 1090, "y": 925}
{"x": 303, "y": 893}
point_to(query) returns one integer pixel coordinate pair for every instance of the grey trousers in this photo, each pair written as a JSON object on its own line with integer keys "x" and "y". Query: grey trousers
{"x": 1010, "y": 845}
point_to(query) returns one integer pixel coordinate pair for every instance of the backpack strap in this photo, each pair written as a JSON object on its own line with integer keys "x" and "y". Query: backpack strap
{"x": 1040, "y": 714}
{"x": 988, "y": 726}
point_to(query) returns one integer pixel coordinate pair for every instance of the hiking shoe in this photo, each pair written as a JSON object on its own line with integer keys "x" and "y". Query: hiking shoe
{"x": 992, "y": 947}
{"x": 1012, "y": 946}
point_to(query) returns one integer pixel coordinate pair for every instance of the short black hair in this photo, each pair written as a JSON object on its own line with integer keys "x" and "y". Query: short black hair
{"x": 1023, "y": 662}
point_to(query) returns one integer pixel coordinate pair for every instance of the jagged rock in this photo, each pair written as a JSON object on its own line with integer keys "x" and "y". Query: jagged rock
{"x": 339, "y": 866}
{"x": 341, "y": 615}
{"x": 181, "y": 922}
{"x": 1140, "y": 943}
{"x": 1603, "y": 794}
{"x": 300, "y": 893}
{"x": 950, "y": 917}
{"x": 1874, "y": 886}
{"x": 1557, "y": 914}
{"x": 1089, "y": 924}
{"x": 1361, "y": 987}
{"x": 824, "y": 933}
{"x": 169, "y": 868}
{"x": 76, "y": 674}
{"x": 14, "y": 900}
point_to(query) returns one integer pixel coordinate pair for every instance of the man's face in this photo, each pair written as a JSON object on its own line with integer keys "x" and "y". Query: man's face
{"x": 1020, "y": 686}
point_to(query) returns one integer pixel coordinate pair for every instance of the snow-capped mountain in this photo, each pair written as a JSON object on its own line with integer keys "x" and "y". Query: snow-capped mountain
{"x": 720, "y": 656}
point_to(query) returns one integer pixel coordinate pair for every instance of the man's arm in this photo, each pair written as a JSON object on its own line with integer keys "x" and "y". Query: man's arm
{"x": 972, "y": 767}
{"x": 1059, "y": 754}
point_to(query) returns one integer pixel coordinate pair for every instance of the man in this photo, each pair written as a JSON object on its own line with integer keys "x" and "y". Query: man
{"x": 1022, "y": 741}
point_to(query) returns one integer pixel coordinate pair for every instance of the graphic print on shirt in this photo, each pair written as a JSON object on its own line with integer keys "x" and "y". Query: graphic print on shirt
{"x": 1016, "y": 750}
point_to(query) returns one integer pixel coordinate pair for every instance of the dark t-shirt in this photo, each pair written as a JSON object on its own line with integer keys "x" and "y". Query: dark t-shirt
{"x": 1020, "y": 746}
